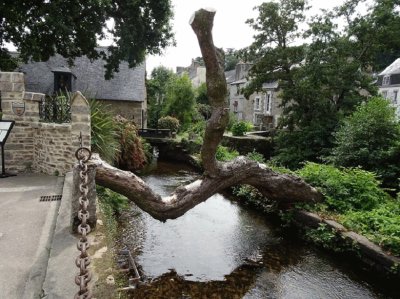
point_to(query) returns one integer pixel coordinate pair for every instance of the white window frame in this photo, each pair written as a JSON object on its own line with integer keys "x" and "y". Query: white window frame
{"x": 257, "y": 103}
{"x": 268, "y": 102}
{"x": 386, "y": 80}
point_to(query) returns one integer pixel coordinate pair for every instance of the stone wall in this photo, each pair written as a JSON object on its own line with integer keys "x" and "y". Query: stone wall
{"x": 129, "y": 109}
{"x": 34, "y": 146}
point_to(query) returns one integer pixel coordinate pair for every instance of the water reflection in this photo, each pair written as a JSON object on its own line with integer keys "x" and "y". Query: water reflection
{"x": 220, "y": 250}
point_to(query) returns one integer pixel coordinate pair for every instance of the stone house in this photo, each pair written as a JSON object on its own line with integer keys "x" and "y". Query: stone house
{"x": 262, "y": 108}
{"x": 125, "y": 93}
{"x": 196, "y": 73}
{"x": 389, "y": 84}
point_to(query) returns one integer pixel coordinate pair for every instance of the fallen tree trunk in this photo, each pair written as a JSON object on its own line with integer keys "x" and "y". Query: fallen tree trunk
{"x": 217, "y": 176}
{"x": 280, "y": 187}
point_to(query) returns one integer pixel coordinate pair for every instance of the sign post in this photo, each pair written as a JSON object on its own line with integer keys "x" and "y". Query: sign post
{"x": 5, "y": 129}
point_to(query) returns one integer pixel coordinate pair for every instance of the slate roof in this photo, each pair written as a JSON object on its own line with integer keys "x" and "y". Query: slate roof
{"x": 230, "y": 76}
{"x": 394, "y": 68}
{"x": 127, "y": 85}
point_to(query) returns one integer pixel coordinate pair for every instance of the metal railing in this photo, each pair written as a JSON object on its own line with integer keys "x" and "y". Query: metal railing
{"x": 56, "y": 109}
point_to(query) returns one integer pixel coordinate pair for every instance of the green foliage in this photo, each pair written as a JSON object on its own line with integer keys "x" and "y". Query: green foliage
{"x": 197, "y": 128}
{"x": 345, "y": 190}
{"x": 370, "y": 138}
{"x": 204, "y": 110}
{"x": 179, "y": 100}
{"x": 323, "y": 236}
{"x": 156, "y": 89}
{"x": 240, "y": 128}
{"x": 39, "y": 30}
{"x": 225, "y": 154}
{"x": 231, "y": 59}
{"x": 249, "y": 195}
{"x": 201, "y": 94}
{"x": 232, "y": 120}
{"x": 381, "y": 225}
{"x": 255, "y": 156}
{"x": 115, "y": 203}
{"x": 169, "y": 122}
{"x": 131, "y": 155}
{"x": 103, "y": 131}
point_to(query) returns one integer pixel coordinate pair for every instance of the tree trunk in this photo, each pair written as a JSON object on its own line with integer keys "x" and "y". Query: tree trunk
{"x": 218, "y": 176}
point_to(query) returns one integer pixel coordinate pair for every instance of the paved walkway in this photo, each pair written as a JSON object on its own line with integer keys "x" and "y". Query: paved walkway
{"x": 26, "y": 230}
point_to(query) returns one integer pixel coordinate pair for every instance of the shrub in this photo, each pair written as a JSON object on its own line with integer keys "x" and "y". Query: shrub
{"x": 198, "y": 128}
{"x": 103, "y": 130}
{"x": 370, "y": 138}
{"x": 232, "y": 120}
{"x": 380, "y": 225}
{"x": 117, "y": 203}
{"x": 344, "y": 189}
{"x": 225, "y": 154}
{"x": 169, "y": 122}
{"x": 131, "y": 155}
{"x": 256, "y": 156}
{"x": 240, "y": 128}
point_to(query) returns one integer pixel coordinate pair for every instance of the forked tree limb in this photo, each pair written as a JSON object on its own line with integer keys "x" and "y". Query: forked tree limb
{"x": 218, "y": 176}
{"x": 279, "y": 187}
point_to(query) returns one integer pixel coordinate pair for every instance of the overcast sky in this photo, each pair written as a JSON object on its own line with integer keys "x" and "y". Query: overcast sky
{"x": 230, "y": 30}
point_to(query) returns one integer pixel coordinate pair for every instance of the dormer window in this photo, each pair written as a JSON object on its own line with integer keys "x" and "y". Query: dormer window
{"x": 386, "y": 80}
{"x": 62, "y": 79}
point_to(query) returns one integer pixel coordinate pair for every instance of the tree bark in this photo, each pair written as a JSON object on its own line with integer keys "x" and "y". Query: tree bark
{"x": 279, "y": 187}
{"x": 217, "y": 176}
{"x": 202, "y": 23}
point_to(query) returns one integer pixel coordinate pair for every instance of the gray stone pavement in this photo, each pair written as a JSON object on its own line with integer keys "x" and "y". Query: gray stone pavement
{"x": 26, "y": 231}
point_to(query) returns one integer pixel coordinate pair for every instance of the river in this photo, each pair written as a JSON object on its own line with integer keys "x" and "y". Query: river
{"x": 221, "y": 249}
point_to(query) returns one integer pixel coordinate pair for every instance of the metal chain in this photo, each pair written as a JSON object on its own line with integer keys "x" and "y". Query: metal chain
{"x": 84, "y": 276}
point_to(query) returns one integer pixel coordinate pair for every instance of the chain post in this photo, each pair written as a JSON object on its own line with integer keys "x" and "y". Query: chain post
{"x": 84, "y": 276}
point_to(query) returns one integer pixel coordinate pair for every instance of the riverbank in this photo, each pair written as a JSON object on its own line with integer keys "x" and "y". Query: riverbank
{"x": 223, "y": 250}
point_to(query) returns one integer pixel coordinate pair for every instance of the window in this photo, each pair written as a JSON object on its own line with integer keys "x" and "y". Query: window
{"x": 395, "y": 92}
{"x": 235, "y": 106}
{"x": 62, "y": 81}
{"x": 268, "y": 102}
{"x": 257, "y": 103}
{"x": 386, "y": 80}
{"x": 237, "y": 89}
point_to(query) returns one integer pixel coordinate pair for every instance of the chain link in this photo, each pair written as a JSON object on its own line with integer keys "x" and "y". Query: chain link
{"x": 84, "y": 276}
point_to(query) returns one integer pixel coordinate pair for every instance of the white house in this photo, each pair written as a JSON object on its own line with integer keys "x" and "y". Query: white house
{"x": 389, "y": 84}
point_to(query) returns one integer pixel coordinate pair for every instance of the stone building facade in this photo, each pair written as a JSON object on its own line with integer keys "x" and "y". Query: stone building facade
{"x": 35, "y": 146}
{"x": 262, "y": 109}
{"x": 124, "y": 94}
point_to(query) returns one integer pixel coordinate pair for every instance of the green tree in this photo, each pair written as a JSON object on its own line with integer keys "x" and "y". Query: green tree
{"x": 370, "y": 138}
{"x": 272, "y": 51}
{"x": 180, "y": 100}
{"x": 156, "y": 92}
{"x": 40, "y": 29}
{"x": 320, "y": 82}
{"x": 231, "y": 59}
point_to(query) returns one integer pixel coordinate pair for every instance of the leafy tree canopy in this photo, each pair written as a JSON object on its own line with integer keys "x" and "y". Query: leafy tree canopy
{"x": 40, "y": 29}
{"x": 180, "y": 100}
{"x": 323, "y": 80}
{"x": 156, "y": 93}
{"x": 370, "y": 138}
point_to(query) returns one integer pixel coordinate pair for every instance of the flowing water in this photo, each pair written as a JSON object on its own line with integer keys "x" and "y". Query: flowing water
{"x": 220, "y": 249}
